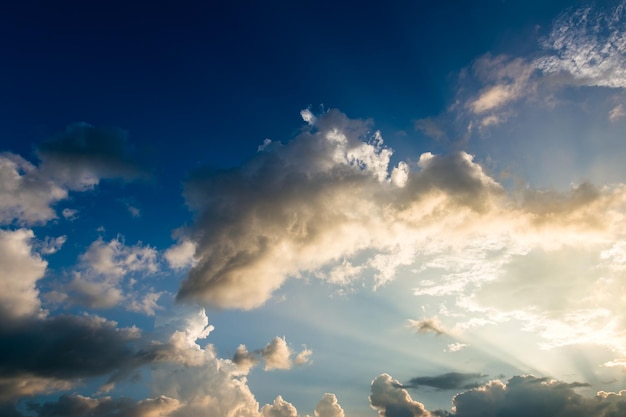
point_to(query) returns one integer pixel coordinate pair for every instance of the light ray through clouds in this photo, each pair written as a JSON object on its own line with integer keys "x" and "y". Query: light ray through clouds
{"x": 326, "y": 263}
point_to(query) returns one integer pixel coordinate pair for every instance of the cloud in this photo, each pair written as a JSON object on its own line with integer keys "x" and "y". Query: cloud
{"x": 76, "y": 347}
{"x": 589, "y": 45}
{"x": 245, "y": 360}
{"x": 75, "y": 160}
{"x": 277, "y": 355}
{"x": 324, "y": 196}
{"x": 617, "y": 112}
{"x": 80, "y": 406}
{"x": 25, "y": 194}
{"x": 84, "y": 154}
{"x": 181, "y": 255}
{"x": 103, "y": 269}
{"x": 280, "y": 408}
{"x": 427, "y": 326}
{"x": 392, "y": 401}
{"x": 326, "y": 205}
{"x": 447, "y": 381}
{"x": 329, "y": 407}
{"x": 529, "y": 395}
{"x": 21, "y": 269}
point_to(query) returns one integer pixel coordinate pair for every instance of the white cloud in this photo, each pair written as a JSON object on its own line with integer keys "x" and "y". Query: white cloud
{"x": 329, "y": 407}
{"x": 104, "y": 277}
{"x": 279, "y": 408}
{"x": 306, "y": 209}
{"x": 21, "y": 269}
{"x": 25, "y": 194}
{"x": 181, "y": 255}
{"x": 277, "y": 354}
{"x": 590, "y": 46}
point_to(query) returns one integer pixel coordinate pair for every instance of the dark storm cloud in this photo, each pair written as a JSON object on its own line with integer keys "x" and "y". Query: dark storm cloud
{"x": 84, "y": 154}
{"x": 447, "y": 381}
{"x": 41, "y": 355}
{"x": 79, "y": 406}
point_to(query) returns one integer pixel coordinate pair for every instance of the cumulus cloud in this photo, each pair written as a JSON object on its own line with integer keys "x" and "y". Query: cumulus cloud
{"x": 80, "y": 406}
{"x": 25, "y": 194}
{"x": 181, "y": 255}
{"x": 21, "y": 269}
{"x": 279, "y": 408}
{"x": 326, "y": 204}
{"x": 324, "y": 196}
{"x": 530, "y": 395}
{"x": 103, "y": 270}
{"x": 277, "y": 354}
{"x": 390, "y": 400}
{"x": 329, "y": 407}
{"x": 75, "y": 160}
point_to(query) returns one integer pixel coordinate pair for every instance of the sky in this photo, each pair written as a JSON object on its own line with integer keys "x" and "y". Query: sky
{"x": 313, "y": 209}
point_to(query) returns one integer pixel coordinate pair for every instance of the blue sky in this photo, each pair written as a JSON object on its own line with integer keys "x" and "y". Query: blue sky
{"x": 330, "y": 210}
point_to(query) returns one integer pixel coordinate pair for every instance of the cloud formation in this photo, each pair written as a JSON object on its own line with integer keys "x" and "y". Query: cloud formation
{"x": 447, "y": 381}
{"x": 390, "y": 400}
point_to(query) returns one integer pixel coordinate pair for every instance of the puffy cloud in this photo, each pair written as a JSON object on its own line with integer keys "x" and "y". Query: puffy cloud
{"x": 245, "y": 360}
{"x": 73, "y": 161}
{"x": 322, "y": 197}
{"x": 277, "y": 354}
{"x": 541, "y": 397}
{"x": 280, "y": 408}
{"x": 25, "y": 194}
{"x": 105, "y": 267}
{"x": 329, "y": 407}
{"x": 390, "y": 400}
{"x": 21, "y": 269}
{"x": 203, "y": 383}
{"x": 75, "y": 347}
{"x": 309, "y": 207}
{"x": 181, "y": 255}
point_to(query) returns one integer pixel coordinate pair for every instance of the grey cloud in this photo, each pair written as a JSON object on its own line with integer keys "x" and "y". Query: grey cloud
{"x": 277, "y": 355}
{"x": 83, "y": 154}
{"x": 532, "y": 396}
{"x": 447, "y": 381}
{"x": 80, "y": 406}
{"x": 74, "y": 160}
{"x": 55, "y": 351}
